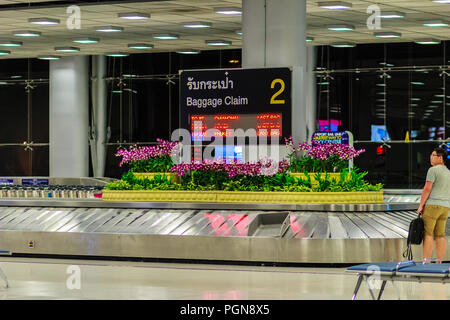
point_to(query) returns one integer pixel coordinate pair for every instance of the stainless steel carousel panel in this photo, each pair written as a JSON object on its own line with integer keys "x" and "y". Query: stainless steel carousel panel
{"x": 231, "y": 232}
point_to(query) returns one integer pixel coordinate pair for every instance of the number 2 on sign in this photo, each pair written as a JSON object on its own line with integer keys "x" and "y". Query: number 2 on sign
{"x": 274, "y": 100}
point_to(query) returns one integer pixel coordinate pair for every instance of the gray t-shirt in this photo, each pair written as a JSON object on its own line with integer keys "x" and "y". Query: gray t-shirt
{"x": 440, "y": 194}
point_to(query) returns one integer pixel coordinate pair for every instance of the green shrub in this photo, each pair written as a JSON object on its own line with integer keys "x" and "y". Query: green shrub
{"x": 161, "y": 164}
{"x": 218, "y": 180}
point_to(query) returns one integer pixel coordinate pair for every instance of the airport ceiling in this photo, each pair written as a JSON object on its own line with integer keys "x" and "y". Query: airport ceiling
{"x": 167, "y": 17}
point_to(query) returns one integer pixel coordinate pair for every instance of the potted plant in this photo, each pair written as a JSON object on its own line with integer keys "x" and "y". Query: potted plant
{"x": 150, "y": 161}
{"x": 330, "y": 159}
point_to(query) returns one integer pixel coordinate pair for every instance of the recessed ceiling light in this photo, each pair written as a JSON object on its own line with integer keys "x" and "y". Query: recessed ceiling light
{"x": 309, "y": 39}
{"x": 44, "y": 21}
{"x": 392, "y": 15}
{"x": 428, "y": 41}
{"x": 165, "y": 36}
{"x": 435, "y": 23}
{"x": 49, "y": 57}
{"x": 10, "y": 43}
{"x": 109, "y": 29}
{"x": 417, "y": 83}
{"x": 441, "y": 1}
{"x": 343, "y": 45}
{"x": 26, "y": 33}
{"x": 4, "y": 52}
{"x": 140, "y": 46}
{"x": 86, "y": 40}
{"x": 238, "y": 32}
{"x": 228, "y": 10}
{"x": 196, "y": 25}
{"x": 67, "y": 49}
{"x": 218, "y": 43}
{"x": 188, "y": 51}
{"x": 387, "y": 35}
{"x": 335, "y": 5}
{"x": 134, "y": 16}
{"x": 341, "y": 27}
{"x": 117, "y": 54}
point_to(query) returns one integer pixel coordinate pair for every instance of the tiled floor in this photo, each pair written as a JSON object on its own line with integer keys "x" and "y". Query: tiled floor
{"x": 48, "y": 279}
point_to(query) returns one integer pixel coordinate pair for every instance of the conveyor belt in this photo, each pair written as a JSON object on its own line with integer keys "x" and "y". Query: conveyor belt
{"x": 314, "y": 225}
{"x": 201, "y": 231}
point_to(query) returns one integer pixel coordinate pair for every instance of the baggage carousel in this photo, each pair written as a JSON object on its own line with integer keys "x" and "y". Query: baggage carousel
{"x": 250, "y": 233}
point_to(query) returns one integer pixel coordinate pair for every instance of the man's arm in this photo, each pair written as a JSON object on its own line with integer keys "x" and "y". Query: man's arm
{"x": 425, "y": 194}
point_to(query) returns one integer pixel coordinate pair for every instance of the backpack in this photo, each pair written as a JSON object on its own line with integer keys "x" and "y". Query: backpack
{"x": 415, "y": 236}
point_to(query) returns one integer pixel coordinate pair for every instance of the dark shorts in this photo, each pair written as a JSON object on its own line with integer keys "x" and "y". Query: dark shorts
{"x": 435, "y": 218}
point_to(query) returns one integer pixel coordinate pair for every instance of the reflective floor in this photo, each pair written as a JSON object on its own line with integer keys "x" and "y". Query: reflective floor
{"x": 49, "y": 279}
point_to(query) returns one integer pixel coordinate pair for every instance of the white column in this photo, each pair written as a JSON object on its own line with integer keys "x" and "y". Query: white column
{"x": 69, "y": 117}
{"x": 274, "y": 35}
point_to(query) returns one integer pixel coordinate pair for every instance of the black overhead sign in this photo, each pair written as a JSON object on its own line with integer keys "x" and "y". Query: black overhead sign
{"x": 235, "y": 91}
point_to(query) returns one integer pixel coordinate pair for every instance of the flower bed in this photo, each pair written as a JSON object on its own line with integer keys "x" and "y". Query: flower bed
{"x": 264, "y": 181}
{"x": 236, "y": 179}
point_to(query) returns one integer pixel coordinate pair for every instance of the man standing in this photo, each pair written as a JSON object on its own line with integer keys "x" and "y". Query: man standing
{"x": 435, "y": 204}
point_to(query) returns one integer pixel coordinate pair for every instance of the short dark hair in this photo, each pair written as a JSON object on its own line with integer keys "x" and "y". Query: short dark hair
{"x": 441, "y": 153}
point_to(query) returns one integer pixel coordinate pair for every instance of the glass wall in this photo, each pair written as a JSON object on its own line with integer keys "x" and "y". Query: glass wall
{"x": 24, "y": 107}
{"x": 394, "y": 98}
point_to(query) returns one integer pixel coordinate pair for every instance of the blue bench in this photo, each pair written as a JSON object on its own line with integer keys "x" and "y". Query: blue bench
{"x": 399, "y": 271}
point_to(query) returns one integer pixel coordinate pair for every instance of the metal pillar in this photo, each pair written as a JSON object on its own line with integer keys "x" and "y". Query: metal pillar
{"x": 69, "y": 116}
{"x": 311, "y": 92}
{"x": 98, "y": 132}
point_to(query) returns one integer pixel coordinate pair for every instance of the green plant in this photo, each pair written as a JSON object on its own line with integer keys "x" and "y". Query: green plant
{"x": 208, "y": 178}
{"x": 219, "y": 180}
{"x": 311, "y": 164}
{"x": 161, "y": 164}
{"x": 118, "y": 185}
